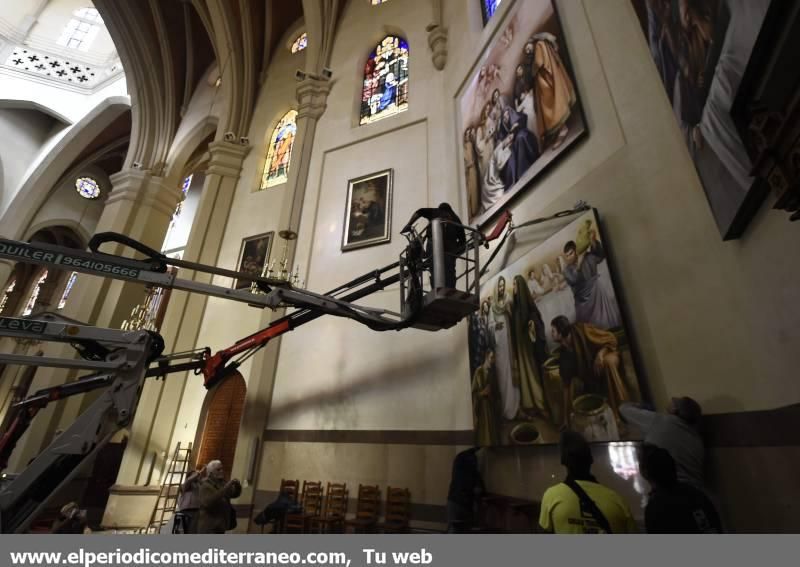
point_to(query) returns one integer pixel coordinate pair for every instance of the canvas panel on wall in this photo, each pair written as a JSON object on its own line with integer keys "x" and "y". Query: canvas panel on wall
{"x": 548, "y": 347}
{"x": 519, "y": 111}
{"x": 701, "y": 50}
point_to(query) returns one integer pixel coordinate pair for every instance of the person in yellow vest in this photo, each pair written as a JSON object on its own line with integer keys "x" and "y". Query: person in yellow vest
{"x": 581, "y": 505}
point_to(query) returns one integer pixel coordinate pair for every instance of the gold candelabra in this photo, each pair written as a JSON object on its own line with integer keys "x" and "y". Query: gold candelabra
{"x": 283, "y": 270}
{"x": 142, "y": 316}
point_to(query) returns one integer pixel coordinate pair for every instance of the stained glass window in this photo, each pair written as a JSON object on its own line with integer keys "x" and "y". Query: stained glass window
{"x": 276, "y": 170}
{"x": 186, "y": 184}
{"x": 34, "y": 294}
{"x": 488, "y": 8}
{"x": 300, "y": 43}
{"x": 385, "y": 90}
{"x": 7, "y": 294}
{"x": 87, "y": 188}
{"x": 68, "y": 288}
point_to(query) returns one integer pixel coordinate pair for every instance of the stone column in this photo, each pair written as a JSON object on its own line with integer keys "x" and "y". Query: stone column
{"x": 140, "y": 205}
{"x": 154, "y": 434}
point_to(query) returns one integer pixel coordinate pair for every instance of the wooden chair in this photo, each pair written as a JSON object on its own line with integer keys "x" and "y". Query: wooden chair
{"x": 334, "y": 511}
{"x": 290, "y": 488}
{"x": 398, "y": 511}
{"x": 311, "y": 502}
{"x": 367, "y": 510}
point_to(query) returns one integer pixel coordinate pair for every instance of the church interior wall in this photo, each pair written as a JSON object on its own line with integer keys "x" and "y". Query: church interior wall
{"x": 53, "y": 18}
{"x": 65, "y": 207}
{"x": 710, "y": 319}
{"x": 334, "y": 374}
{"x": 725, "y": 349}
{"x": 252, "y": 213}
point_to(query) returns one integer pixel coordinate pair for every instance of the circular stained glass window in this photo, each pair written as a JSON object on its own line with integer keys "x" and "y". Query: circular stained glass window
{"x": 87, "y": 188}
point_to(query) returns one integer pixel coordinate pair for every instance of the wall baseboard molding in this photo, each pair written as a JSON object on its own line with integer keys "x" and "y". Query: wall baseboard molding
{"x": 372, "y": 437}
{"x": 765, "y": 428}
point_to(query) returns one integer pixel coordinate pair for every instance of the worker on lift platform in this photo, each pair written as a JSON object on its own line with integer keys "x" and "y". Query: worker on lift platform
{"x": 453, "y": 236}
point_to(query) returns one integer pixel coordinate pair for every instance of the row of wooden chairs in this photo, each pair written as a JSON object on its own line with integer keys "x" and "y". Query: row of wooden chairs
{"x": 326, "y": 512}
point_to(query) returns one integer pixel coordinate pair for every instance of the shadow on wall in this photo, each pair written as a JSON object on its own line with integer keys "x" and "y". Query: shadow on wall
{"x": 334, "y": 402}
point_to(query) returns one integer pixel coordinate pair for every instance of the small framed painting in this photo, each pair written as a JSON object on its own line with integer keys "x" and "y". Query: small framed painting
{"x": 253, "y": 257}
{"x": 368, "y": 211}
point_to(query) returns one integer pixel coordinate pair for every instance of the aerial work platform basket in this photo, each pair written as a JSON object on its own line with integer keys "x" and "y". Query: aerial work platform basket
{"x": 439, "y": 278}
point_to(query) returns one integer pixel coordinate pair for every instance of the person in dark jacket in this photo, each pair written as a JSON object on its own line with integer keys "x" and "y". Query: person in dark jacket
{"x": 453, "y": 235}
{"x": 466, "y": 489}
{"x": 71, "y": 520}
{"x": 674, "y": 507}
{"x": 216, "y": 513}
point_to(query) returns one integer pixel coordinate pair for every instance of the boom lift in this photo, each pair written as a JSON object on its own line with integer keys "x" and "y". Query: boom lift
{"x": 123, "y": 359}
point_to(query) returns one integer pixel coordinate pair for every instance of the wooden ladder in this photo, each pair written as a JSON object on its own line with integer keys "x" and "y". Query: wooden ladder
{"x": 170, "y": 491}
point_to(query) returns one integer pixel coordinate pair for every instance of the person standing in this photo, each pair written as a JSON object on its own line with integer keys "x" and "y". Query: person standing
{"x": 216, "y": 514}
{"x": 674, "y": 507}
{"x": 581, "y": 505}
{"x": 71, "y": 520}
{"x": 189, "y": 502}
{"x": 453, "y": 236}
{"x": 466, "y": 489}
{"x": 676, "y": 432}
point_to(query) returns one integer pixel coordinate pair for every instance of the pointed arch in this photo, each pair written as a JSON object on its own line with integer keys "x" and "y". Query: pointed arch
{"x": 279, "y": 152}
{"x": 384, "y": 92}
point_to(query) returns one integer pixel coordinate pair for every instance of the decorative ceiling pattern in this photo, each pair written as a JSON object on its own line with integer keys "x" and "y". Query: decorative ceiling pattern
{"x": 60, "y": 69}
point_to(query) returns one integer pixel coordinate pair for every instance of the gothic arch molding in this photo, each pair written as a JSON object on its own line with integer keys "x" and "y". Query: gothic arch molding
{"x": 51, "y": 169}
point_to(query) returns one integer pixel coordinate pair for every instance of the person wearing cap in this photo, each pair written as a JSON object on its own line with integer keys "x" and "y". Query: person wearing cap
{"x": 581, "y": 505}
{"x": 674, "y": 507}
{"x": 71, "y": 520}
{"x": 453, "y": 236}
{"x": 677, "y": 432}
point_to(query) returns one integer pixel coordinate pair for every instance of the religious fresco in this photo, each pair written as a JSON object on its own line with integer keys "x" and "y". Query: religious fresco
{"x": 548, "y": 347}
{"x": 519, "y": 111}
{"x": 701, "y": 49}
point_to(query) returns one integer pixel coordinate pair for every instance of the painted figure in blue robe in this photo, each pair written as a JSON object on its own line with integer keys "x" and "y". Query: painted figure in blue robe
{"x": 389, "y": 92}
{"x": 513, "y": 133}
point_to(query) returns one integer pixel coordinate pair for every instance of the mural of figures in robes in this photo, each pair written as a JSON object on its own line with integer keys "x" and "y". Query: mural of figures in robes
{"x": 519, "y": 111}
{"x": 701, "y": 49}
{"x": 548, "y": 346}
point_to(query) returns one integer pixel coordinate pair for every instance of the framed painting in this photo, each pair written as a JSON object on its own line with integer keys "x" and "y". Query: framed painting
{"x": 701, "y": 50}
{"x": 548, "y": 346}
{"x": 368, "y": 211}
{"x": 519, "y": 109}
{"x": 253, "y": 257}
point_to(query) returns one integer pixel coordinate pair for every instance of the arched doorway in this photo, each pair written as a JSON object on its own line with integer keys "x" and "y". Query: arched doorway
{"x": 223, "y": 413}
